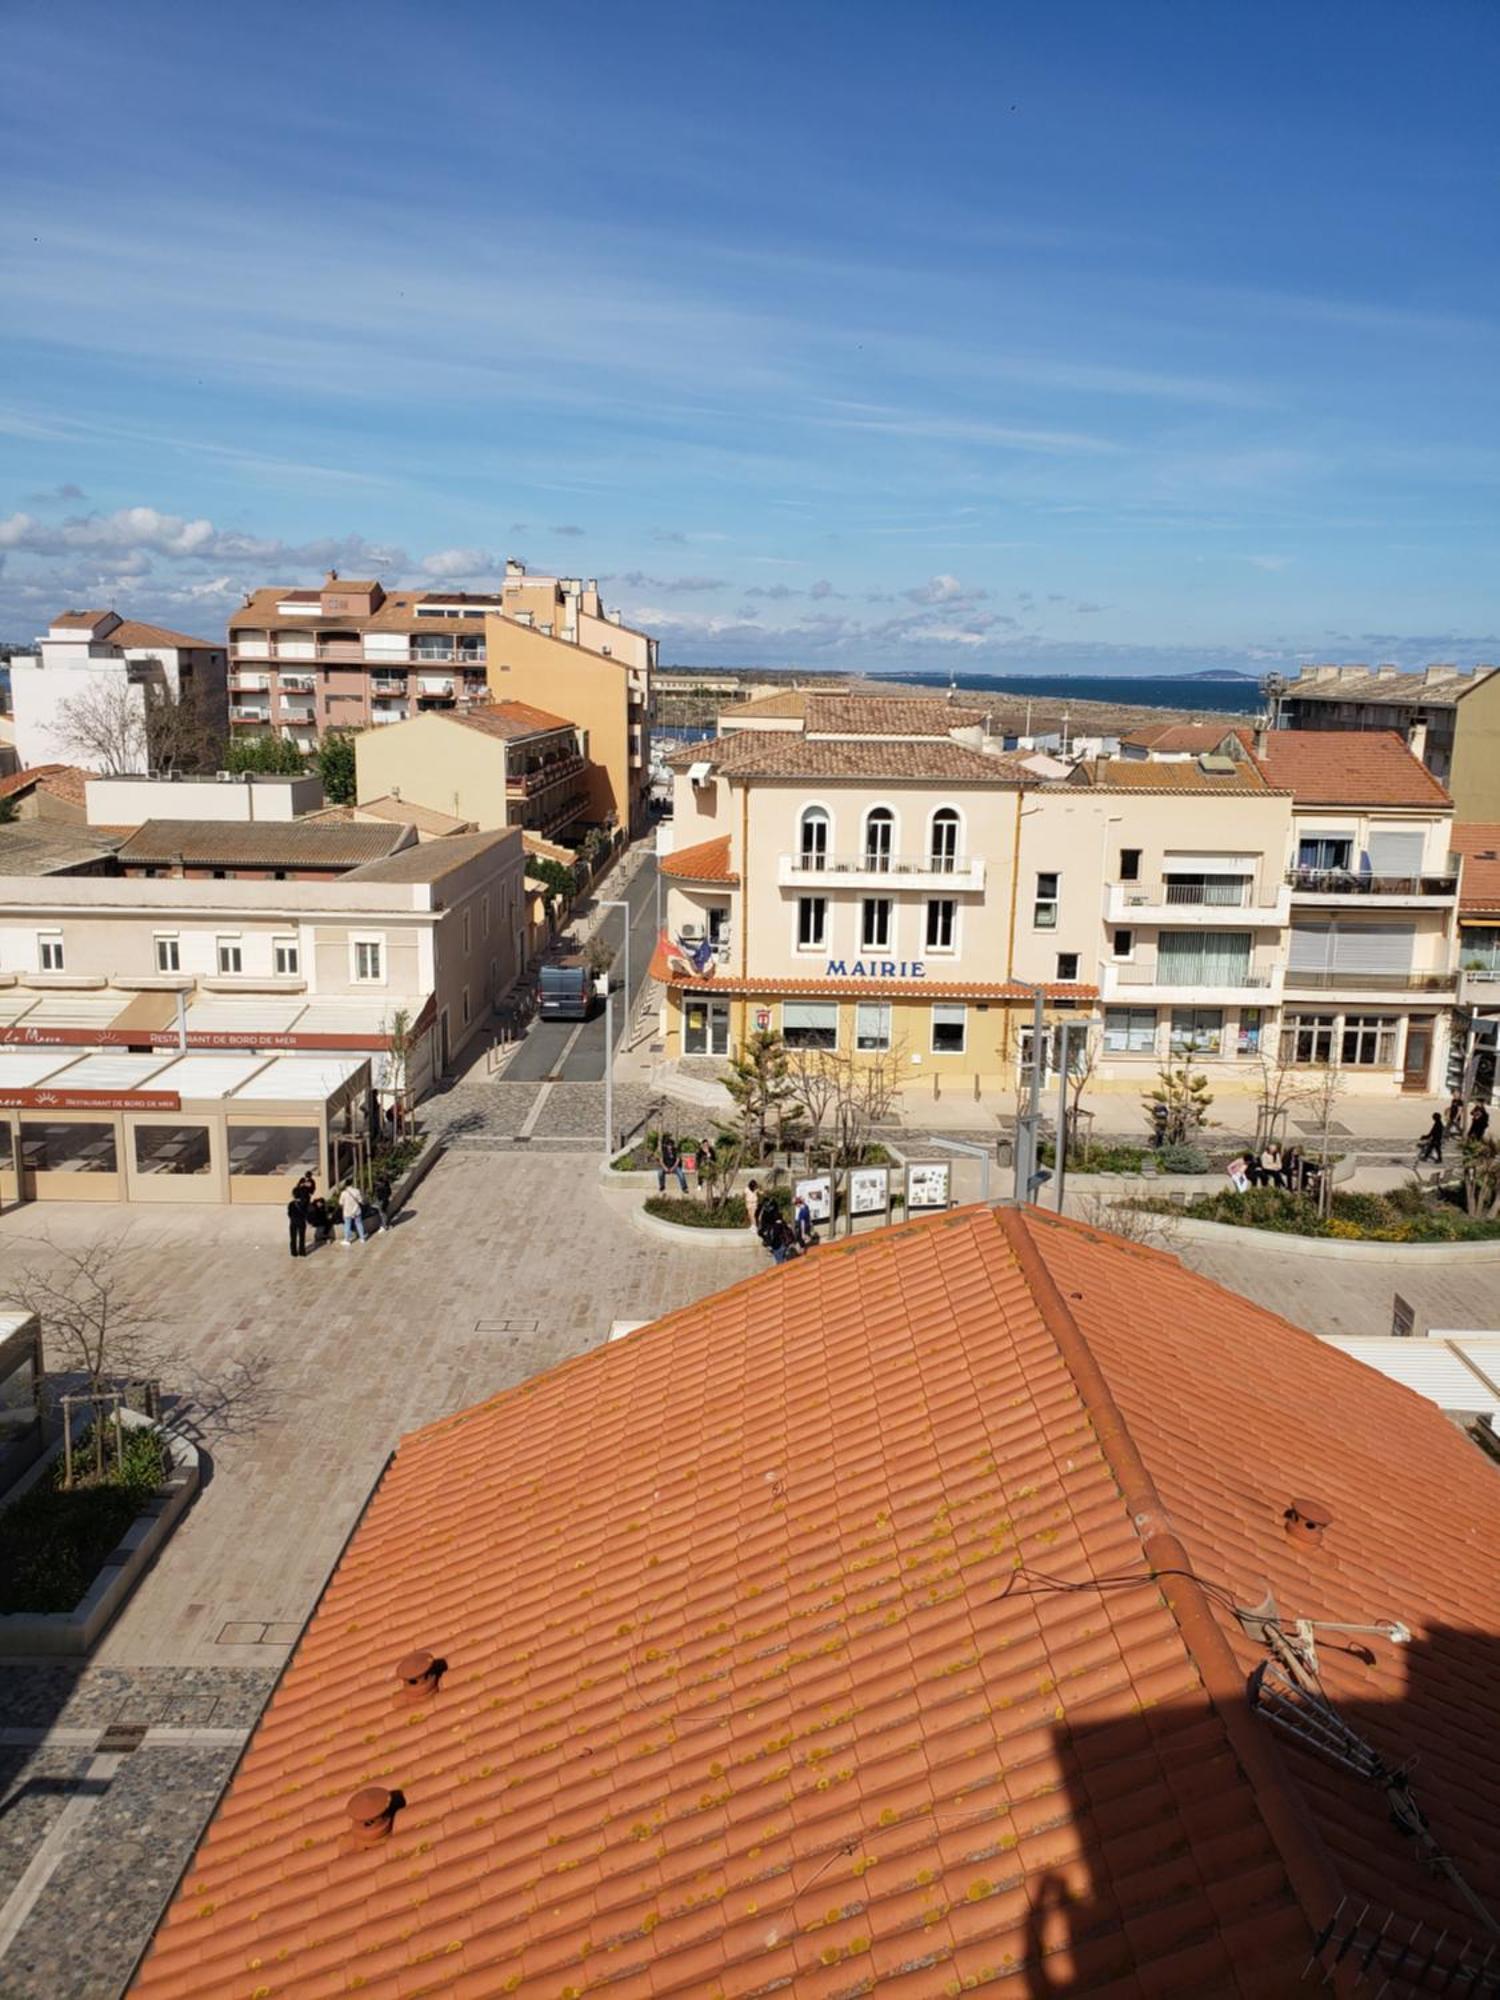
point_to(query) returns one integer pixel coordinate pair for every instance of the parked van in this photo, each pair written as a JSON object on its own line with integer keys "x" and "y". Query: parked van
{"x": 567, "y": 991}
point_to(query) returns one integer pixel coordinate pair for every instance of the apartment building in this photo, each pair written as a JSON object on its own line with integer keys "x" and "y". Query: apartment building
{"x": 421, "y": 937}
{"x": 504, "y": 764}
{"x": 553, "y": 644}
{"x": 1476, "y": 1026}
{"x": 115, "y": 694}
{"x": 1450, "y": 718}
{"x": 352, "y": 655}
{"x": 1289, "y": 898}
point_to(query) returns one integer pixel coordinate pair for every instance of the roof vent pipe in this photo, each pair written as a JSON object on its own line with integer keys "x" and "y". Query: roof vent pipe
{"x": 372, "y": 1813}
{"x": 1304, "y": 1522}
{"x": 420, "y": 1674}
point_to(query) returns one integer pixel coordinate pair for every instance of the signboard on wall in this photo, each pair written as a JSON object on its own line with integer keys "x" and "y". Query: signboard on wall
{"x": 869, "y": 1190}
{"x": 817, "y": 1192}
{"x": 926, "y": 1185}
{"x": 89, "y": 1100}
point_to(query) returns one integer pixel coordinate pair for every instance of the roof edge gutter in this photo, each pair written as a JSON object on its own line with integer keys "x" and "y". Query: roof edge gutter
{"x": 1308, "y": 1864}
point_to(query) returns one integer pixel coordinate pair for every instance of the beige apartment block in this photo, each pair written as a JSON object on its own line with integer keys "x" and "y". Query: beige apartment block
{"x": 113, "y": 672}
{"x": 504, "y": 764}
{"x": 429, "y": 935}
{"x": 1449, "y": 717}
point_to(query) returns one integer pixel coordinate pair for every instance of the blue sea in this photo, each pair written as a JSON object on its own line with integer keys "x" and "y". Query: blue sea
{"x": 1143, "y": 691}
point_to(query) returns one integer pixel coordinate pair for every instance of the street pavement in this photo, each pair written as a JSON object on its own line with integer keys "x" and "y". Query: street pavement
{"x": 573, "y": 1051}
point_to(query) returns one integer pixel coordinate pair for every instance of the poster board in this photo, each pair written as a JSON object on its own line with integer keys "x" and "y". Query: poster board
{"x": 1238, "y": 1171}
{"x": 926, "y": 1185}
{"x": 869, "y": 1190}
{"x": 817, "y": 1191}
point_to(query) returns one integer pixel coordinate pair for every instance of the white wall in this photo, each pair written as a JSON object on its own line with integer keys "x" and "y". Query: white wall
{"x": 40, "y": 690}
{"x": 132, "y": 801}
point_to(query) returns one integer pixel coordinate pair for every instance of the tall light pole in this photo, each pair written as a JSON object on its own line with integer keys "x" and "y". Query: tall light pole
{"x": 616, "y": 903}
{"x": 609, "y": 1069}
{"x": 1030, "y": 1174}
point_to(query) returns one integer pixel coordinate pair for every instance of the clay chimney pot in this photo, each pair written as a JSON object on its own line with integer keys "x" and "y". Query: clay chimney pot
{"x": 372, "y": 1812}
{"x": 1305, "y": 1520}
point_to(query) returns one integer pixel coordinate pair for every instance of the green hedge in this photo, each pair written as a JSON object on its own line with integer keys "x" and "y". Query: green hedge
{"x": 1356, "y": 1216}
{"x": 53, "y": 1542}
{"x": 690, "y": 1214}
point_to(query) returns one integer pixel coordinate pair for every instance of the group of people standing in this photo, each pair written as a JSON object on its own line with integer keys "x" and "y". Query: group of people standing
{"x": 1453, "y": 1127}
{"x": 307, "y": 1209}
{"x": 784, "y": 1239}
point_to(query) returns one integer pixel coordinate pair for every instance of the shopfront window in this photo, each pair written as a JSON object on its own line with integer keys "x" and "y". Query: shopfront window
{"x": 810, "y": 1024}
{"x": 1247, "y": 1040}
{"x": 272, "y": 1149}
{"x": 1129, "y": 1031}
{"x": 1368, "y": 1041}
{"x": 1197, "y": 1031}
{"x": 949, "y": 1024}
{"x": 18, "y": 1406}
{"x": 68, "y": 1149}
{"x": 171, "y": 1149}
{"x": 1307, "y": 1038}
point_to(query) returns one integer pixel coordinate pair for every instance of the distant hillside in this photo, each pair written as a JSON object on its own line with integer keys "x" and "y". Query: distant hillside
{"x": 1219, "y": 674}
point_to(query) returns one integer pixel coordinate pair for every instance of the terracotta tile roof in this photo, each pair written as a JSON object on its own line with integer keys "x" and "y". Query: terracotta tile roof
{"x": 510, "y": 719}
{"x": 131, "y": 632}
{"x": 707, "y": 862}
{"x": 761, "y": 753}
{"x": 1479, "y": 886}
{"x": 867, "y": 1627}
{"x": 1139, "y": 774}
{"x": 789, "y": 707}
{"x": 1427, "y": 687}
{"x": 289, "y": 844}
{"x": 83, "y": 620}
{"x": 1192, "y": 737}
{"x": 22, "y": 781}
{"x": 436, "y": 858}
{"x": 64, "y": 781}
{"x": 53, "y": 847}
{"x": 547, "y": 850}
{"x": 887, "y": 715}
{"x": 1348, "y": 767}
{"x": 399, "y": 812}
{"x": 665, "y": 966}
{"x": 396, "y": 613}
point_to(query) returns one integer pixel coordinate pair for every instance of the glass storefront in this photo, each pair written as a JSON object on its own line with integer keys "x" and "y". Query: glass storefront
{"x": 171, "y": 1149}
{"x": 68, "y": 1149}
{"x": 258, "y": 1150}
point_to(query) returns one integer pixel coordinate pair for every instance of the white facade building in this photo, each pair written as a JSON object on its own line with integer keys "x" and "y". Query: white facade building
{"x": 111, "y": 665}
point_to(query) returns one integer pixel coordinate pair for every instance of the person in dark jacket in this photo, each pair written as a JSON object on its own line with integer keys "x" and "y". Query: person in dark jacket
{"x": 296, "y": 1219}
{"x": 669, "y": 1161}
{"x": 380, "y": 1194}
{"x": 1431, "y": 1147}
{"x": 780, "y": 1241}
{"x": 1456, "y": 1115}
{"x": 1479, "y": 1124}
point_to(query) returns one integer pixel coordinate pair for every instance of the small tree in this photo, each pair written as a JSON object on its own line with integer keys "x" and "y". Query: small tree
{"x": 274, "y": 756}
{"x": 1322, "y": 1094}
{"x": 335, "y": 760}
{"x": 1183, "y": 1094}
{"x": 104, "y": 726}
{"x": 598, "y": 955}
{"x": 398, "y": 1065}
{"x": 1481, "y": 1177}
{"x": 763, "y": 1089}
{"x": 559, "y": 881}
{"x": 1083, "y": 1060}
{"x": 719, "y": 1160}
{"x": 847, "y": 1093}
{"x": 95, "y": 1323}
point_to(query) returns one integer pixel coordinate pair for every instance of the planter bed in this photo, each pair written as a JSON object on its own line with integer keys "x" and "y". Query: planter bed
{"x": 64, "y": 1633}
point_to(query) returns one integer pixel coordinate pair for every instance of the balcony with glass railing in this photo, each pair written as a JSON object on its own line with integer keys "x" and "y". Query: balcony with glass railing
{"x": 1211, "y": 900}
{"x": 1214, "y": 980}
{"x": 1433, "y": 886}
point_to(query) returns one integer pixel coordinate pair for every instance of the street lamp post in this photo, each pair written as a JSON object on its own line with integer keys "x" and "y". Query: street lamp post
{"x": 1029, "y": 1172}
{"x": 617, "y": 903}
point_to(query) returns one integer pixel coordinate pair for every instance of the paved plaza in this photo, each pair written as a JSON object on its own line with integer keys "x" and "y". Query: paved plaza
{"x": 300, "y": 1379}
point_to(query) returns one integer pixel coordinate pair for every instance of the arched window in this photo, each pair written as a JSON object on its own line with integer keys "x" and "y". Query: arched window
{"x": 813, "y": 839}
{"x": 943, "y": 841}
{"x": 880, "y": 838}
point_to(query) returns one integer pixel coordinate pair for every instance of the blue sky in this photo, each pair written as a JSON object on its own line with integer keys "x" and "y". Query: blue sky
{"x": 1055, "y": 336}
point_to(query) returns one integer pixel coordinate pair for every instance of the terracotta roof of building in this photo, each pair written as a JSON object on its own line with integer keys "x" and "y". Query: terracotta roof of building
{"x": 1348, "y": 767}
{"x": 763, "y": 753}
{"x": 52, "y": 847}
{"x": 887, "y": 715}
{"x": 289, "y": 844}
{"x": 433, "y": 859}
{"x": 22, "y": 781}
{"x": 1142, "y": 774}
{"x": 708, "y": 861}
{"x": 1479, "y": 887}
{"x": 788, "y": 707}
{"x": 1427, "y": 687}
{"x": 131, "y": 632}
{"x": 510, "y": 719}
{"x": 395, "y": 613}
{"x": 63, "y": 781}
{"x": 546, "y": 850}
{"x": 1176, "y": 737}
{"x": 84, "y": 620}
{"x": 869, "y": 1627}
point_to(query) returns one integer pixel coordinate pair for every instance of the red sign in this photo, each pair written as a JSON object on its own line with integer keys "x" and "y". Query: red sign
{"x": 89, "y": 1100}
{"x": 167, "y": 1038}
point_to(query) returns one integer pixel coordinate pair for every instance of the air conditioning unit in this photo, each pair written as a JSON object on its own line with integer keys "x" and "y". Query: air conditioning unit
{"x": 691, "y": 933}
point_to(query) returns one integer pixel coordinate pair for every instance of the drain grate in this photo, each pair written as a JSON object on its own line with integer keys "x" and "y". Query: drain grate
{"x": 120, "y": 1738}
{"x": 507, "y": 1326}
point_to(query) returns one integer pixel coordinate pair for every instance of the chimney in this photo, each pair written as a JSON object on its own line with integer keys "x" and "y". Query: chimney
{"x": 1416, "y": 739}
{"x": 1304, "y": 1522}
{"x": 1262, "y": 731}
{"x": 372, "y": 1813}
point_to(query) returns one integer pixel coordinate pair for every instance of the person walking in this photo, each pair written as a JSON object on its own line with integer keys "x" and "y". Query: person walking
{"x": 352, "y": 1209}
{"x": 1159, "y": 1119}
{"x": 669, "y": 1161}
{"x": 1431, "y": 1147}
{"x": 296, "y": 1218}
{"x": 780, "y": 1241}
{"x": 1456, "y": 1116}
{"x": 1479, "y": 1124}
{"x": 803, "y": 1223}
{"x": 380, "y": 1190}
{"x": 752, "y": 1205}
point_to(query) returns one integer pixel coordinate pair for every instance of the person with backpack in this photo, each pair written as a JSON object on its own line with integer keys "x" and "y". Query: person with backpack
{"x": 802, "y": 1223}
{"x": 779, "y": 1239}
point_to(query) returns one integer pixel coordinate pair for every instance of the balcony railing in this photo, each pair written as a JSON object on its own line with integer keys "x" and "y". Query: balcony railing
{"x": 351, "y": 650}
{"x": 1325, "y": 981}
{"x": 297, "y": 683}
{"x": 249, "y": 683}
{"x": 388, "y": 714}
{"x": 300, "y": 712}
{"x": 249, "y": 715}
{"x": 1346, "y": 882}
{"x": 1151, "y": 972}
{"x": 387, "y": 684}
{"x": 529, "y": 782}
{"x": 961, "y": 871}
{"x": 434, "y": 687}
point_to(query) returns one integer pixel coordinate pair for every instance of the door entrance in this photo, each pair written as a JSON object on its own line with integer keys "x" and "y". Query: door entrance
{"x": 1418, "y": 1056}
{"x": 706, "y": 1028}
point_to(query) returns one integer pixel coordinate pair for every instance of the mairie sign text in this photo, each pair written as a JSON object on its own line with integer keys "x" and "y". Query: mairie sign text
{"x": 876, "y": 968}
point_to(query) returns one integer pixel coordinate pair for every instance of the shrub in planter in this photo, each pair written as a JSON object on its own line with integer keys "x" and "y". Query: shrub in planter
{"x": 690, "y": 1214}
{"x": 53, "y": 1540}
{"x": 1181, "y": 1160}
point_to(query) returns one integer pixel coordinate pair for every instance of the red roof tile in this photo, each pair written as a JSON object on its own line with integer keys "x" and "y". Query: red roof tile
{"x": 708, "y": 861}
{"x": 870, "y": 1623}
{"x": 510, "y": 719}
{"x": 131, "y": 632}
{"x": 1347, "y": 767}
{"x": 1479, "y": 886}
{"x": 1195, "y": 738}
{"x": 666, "y": 966}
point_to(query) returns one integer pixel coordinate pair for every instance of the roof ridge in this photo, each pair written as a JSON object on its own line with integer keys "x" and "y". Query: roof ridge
{"x": 1308, "y": 1863}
